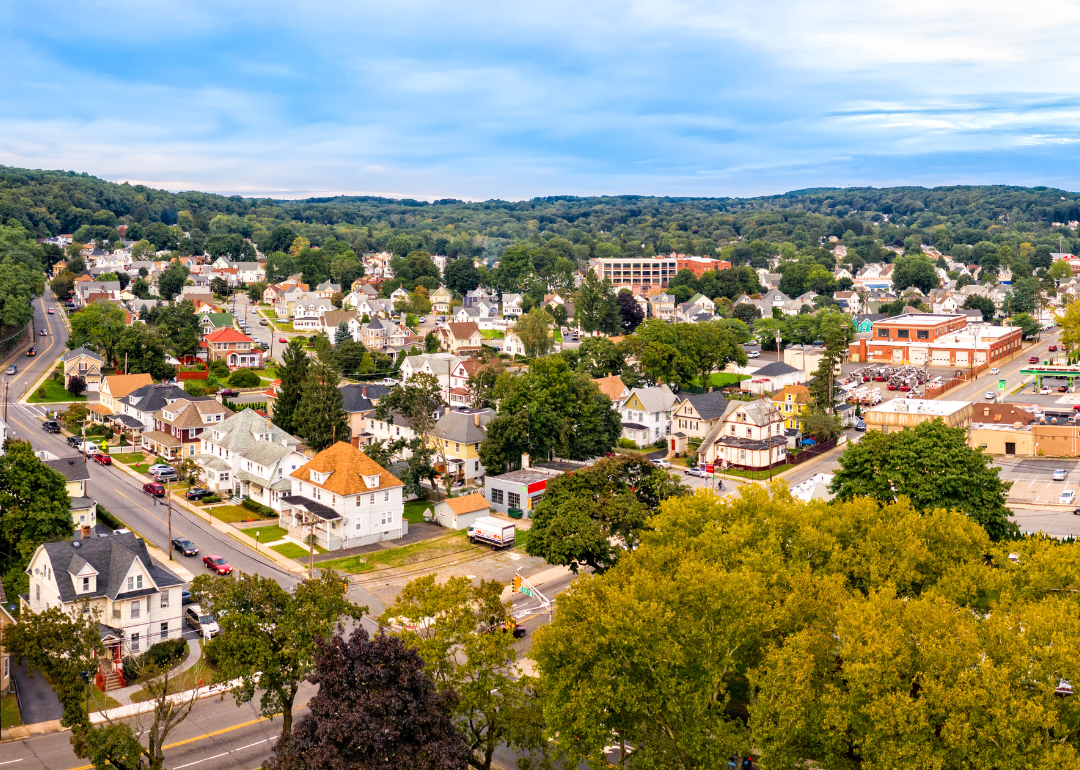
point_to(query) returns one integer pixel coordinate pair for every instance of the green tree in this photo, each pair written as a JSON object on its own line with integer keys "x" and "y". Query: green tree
{"x": 456, "y": 627}
{"x": 1028, "y": 324}
{"x": 1060, "y": 270}
{"x": 255, "y": 291}
{"x": 835, "y": 329}
{"x": 629, "y": 311}
{"x": 345, "y": 268}
{"x": 171, "y": 280}
{"x": 142, "y": 351}
{"x": 933, "y": 467}
{"x": 279, "y": 266}
{"x": 709, "y": 347}
{"x": 917, "y": 271}
{"x": 596, "y": 308}
{"x": 292, "y": 372}
{"x": 319, "y": 417}
{"x": 534, "y": 329}
{"x": 268, "y": 634}
{"x": 984, "y": 305}
{"x": 461, "y": 275}
{"x": 99, "y": 327}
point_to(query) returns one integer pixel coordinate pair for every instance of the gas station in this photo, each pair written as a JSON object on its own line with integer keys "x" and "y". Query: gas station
{"x": 1045, "y": 369}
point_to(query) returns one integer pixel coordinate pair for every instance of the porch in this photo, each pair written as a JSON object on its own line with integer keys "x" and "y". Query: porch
{"x": 161, "y": 443}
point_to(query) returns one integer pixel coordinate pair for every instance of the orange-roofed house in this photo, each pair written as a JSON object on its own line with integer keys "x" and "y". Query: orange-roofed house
{"x": 461, "y": 512}
{"x": 346, "y": 497}
{"x": 614, "y": 388}
{"x": 116, "y": 386}
{"x": 233, "y": 347}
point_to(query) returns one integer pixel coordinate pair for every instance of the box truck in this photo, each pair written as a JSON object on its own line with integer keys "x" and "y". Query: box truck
{"x": 498, "y": 533}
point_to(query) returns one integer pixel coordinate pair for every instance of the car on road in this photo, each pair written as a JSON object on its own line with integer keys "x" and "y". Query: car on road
{"x": 1052, "y": 348}
{"x": 990, "y": 395}
{"x": 198, "y": 493}
{"x": 1060, "y": 474}
{"x": 860, "y": 425}
{"x": 159, "y": 467}
{"x": 1045, "y": 391}
{"x": 422, "y": 319}
{"x": 43, "y": 333}
{"x": 154, "y": 489}
{"x": 995, "y": 370}
{"x": 264, "y": 322}
{"x": 228, "y": 392}
{"x": 754, "y": 354}
{"x": 217, "y": 564}
{"x": 32, "y": 351}
{"x": 50, "y": 311}
{"x": 283, "y": 341}
{"x": 12, "y": 369}
{"x": 698, "y": 471}
{"x": 202, "y": 622}
{"x": 1033, "y": 360}
{"x": 74, "y": 441}
{"x": 1067, "y": 497}
{"x": 388, "y": 382}
{"x": 102, "y": 459}
{"x": 185, "y": 546}
{"x": 661, "y": 463}
{"x": 51, "y": 426}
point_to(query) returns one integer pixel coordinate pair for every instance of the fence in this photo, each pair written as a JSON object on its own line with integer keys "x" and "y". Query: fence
{"x": 811, "y": 452}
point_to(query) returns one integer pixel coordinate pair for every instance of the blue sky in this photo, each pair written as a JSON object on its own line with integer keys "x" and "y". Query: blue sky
{"x": 480, "y": 100}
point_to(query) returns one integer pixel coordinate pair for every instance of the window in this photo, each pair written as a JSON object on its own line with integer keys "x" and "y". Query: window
{"x": 372, "y": 501}
{"x": 37, "y": 592}
{"x": 386, "y": 496}
{"x": 134, "y": 642}
{"x": 883, "y": 332}
{"x": 358, "y": 526}
{"x": 116, "y": 611}
{"x": 85, "y": 584}
{"x": 135, "y": 610}
{"x": 164, "y": 598}
{"x": 513, "y": 499}
{"x": 135, "y": 583}
{"x": 749, "y": 432}
{"x": 476, "y": 466}
{"x": 903, "y": 334}
{"x": 922, "y": 334}
{"x": 165, "y": 630}
{"x": 496, "y": 498}
{"x": 732, "y": 430}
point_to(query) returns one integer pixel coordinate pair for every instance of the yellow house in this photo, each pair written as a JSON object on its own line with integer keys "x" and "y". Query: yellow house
{"x": 698, "y": 413}
{"x": 441, "y": 299}
{"x": 458, "y": 435}
{"x": 792, "y": 402}
{"x": 116, "y": 386}
{"x": 76, "y": 474}
{"x": 84, "y": 363}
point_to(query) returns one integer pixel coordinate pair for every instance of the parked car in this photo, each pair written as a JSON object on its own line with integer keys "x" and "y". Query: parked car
{"x": 995, "y": 370}
{"x": 185, "y": 597}
{"x": 102, "y": 459}
{"x": 1063, "y": 388}
{"x": 1045, "y": 391}
{"x": 169, "y": 475}
{"x": 754, "y": 354}
{"x": 51, "y": 426}
{"x": 12, "y": 369}
{"x": 389, "y": 382}
{"x": 91, "y": 448}
{"x": 74, "y": 441}
{"x": 185, "y": 546}
{"x": 422, "y": 319}
{"x": 229, "y": 392}
{"x": 202, "y": 622}
{"x": 700, "y": 472}
{"x": 1060, "y": 474}
{"x": 283, "y": 340}
{"x": 159, "y": 467}
{"x": 661, "y": 463}
{"x": 990, "y": 395}
{"x": 1067, "y": 497}
{"x": 154, "y": 489}
{"x": 32, "y": 351}
{"x": 198, "y": 494}
{"x": 860, "y": 425}
{"x": 217, "y": 564}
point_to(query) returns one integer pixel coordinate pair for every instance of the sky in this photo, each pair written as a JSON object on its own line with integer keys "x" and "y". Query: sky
{"x": 478, "y": 100}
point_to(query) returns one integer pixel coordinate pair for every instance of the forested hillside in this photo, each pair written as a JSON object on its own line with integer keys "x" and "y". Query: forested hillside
{"x": 971, "y": 223}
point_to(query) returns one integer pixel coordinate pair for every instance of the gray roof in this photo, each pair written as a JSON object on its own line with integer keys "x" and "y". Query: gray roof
{"x": 328, "y": 286}
{"x": 240, "y": 429}
{"x": 461, "y": 426}
{"x": 151, "y": 398}
{"x": 211, "y": 461}
{"x": 709, "y": 406}
{"x": 658, "y": 399}
{"x": 775, "y": 369}
{"x": 111, "y": 557}
{"x": 82, "y": 503}
{"x": 266, "y": 453}
{"x": 354, "y": 400}
{"x": 438, "y": 365}
{"x": 72, "y": 468}
{"x": 73, "y": 354}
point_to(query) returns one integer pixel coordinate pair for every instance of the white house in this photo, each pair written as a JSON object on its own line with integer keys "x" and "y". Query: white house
{"x": 345, "y": 499}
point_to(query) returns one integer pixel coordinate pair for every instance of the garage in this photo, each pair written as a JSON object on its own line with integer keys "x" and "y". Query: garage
{"x": 961, "y": 358}
{"x": 918, "y": 356}
{"x": 940, "y": 358}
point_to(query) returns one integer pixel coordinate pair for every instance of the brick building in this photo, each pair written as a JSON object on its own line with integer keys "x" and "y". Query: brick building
{"x": 935, "y": 339}
{"x": 648, "y": 272}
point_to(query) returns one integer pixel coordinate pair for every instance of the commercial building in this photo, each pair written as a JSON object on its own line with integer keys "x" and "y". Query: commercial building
{"x": 901, "y": 413}
{"x": 936, "y": 340}
{"x": 648, "y": 272}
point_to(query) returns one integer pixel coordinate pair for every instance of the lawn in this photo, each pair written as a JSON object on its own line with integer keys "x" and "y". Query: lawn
{"x": 291, "y": 550}
{"x": 266, "y": 534}
{"x": 444, "y": 545}
{"x": 414, "y": 510}
{"x": 722, "y": 379}
{"x": 9, "y": 711}
{"x": 54, "y": 392}
{"x": 231, "y": 514}
{"x": 132, "y": 458}
{"x": 187, "y": 680}
{"x": 558, "y": 335}
{"x": 100, "y": 700}
{"x": 757, "y": 475}
{"x": 492, "y": 334}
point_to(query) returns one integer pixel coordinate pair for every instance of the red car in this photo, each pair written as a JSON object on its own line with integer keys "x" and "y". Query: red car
{"x": 217, "y": 564}
{"x": 154, "y": 489}
{"x": 1063, "y": 388}
{"x": 1033, "y": 360}
{"x": 102, "y": 459}
{"x": 1052, "y": 348}
{"x": 282, "y": 340}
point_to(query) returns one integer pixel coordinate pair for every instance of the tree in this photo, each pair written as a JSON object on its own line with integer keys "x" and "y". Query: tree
{"x": 63, "y": 284}
{"x": 534, "y": 329}
{"x": 279, "y": 266}
{"x": 593, "y": 516}
{"x": 835, "y": 329}
{"x": 1060, "y": 270}
{"x": 171, "y": 280}
{"x": 348, "y": 354}
{"x": 34, "y": 509}
{"x": 268, "y": 638}
{"x": 458, "y": 630}
{"x": 629, "y": 311}
{"x": 346, "y": 267}
{"x": 1029, "y": 326}
{"x": 98, "y": 326}
{"x": 375, "y": 708}
{"x": 280, "y": 239}
{"x": 596, "y": 308}
{"x": 417, "y": 400}
{"x": 933, "y": 467}
{"x": 244, "y": 378}
{"x": 917, "y": 271}
{"x": 709, "y": 347}
{"x": 141, "y": 350}
{"x": 220, "y": 287}
{"x": 255, "y": 291}
{"x": 747, "y": 313}
{"x": 461, "y": 275}
{"x": 76, "y": 385}
{"x": 319, "y": 417}
{"x": 984, "y": 305}
{"x": 292, "y": 372}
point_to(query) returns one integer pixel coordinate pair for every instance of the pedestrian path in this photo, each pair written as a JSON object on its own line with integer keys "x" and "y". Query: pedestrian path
{"x": 123, "y": 695}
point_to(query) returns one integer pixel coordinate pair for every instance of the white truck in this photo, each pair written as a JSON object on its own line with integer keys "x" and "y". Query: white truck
{"x": 497, "y": 533}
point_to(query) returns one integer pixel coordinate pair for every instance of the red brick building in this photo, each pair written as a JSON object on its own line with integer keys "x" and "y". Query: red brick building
{"x": 935, "y": 339}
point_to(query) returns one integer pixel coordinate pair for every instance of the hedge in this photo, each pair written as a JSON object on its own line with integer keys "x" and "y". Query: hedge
{"x": 259, "y": 508}
{"x": 109, "y": 520}
{"x": 165, "y": 653}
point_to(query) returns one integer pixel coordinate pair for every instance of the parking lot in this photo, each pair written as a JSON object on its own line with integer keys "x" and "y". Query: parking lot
{"x": 1033, "y": 481}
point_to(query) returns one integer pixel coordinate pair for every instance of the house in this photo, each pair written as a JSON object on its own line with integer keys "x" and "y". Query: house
{"x": 864, "y": 322}
{"x": 772, "y": 377}
{"x": 246, "y": 455}
{"x": 330, "y": 322}
{"x": 613, "y": 388}
{"x": 875, "y": 276}
{"x": 327, "y": 289}
{"x": 137, "y": 599}
{"x": 521, "y": 489}
{"x": 345, "y": 499}
{"x": 441, "y": 299}
{"x": 792, "y": 402}
{"x": 76, "y": 473}
{"x": 359, "y": 402}
{"x": 457, "y": 439}
{"x": 307, "y": 311}
{"x": 140, "y": 405}
{"x": 399, "y": 295}
{"x": 115, "y": 386}
{"x": 646, "y": 414}
{"x": 377, "y": 332}
{"x": 85, "y": 363}
{"x": 512, "y": 305}
{"x": 749, "y": 436}
{"x": 460, "y": 337}
{"x": 849, "y": 301}
{"x": 512, "y": 344}
{"x": 461, "y": 512}
{"x": 179, "y": 425}
{"x": 695, "y": 414}
{"x": 439, "y": 365}
{"x": 210, "y": 322}
{"x": 663, "y": 306}
{"x": 703, "y": 302}
{"x": 234, "y": 348}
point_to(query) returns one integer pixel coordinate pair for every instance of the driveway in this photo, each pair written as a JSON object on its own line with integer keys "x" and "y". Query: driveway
{"x": 36, "y": 699}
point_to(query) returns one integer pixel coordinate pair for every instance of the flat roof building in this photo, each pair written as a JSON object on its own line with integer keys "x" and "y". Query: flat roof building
{"x": 935, "y": 339}
{"x": 649, "y": 272}
{"x": 901, "y": 413}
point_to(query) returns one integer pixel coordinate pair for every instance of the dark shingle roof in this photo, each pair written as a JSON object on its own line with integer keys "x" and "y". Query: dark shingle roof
{"x": 111, "y": 557}
{"x": 72, "y": 468}
{"x": 775, "y": 369}
{"x": 150, "y": 398}
{"x": 353, "y": 399}
{"x": 708, "y": 405}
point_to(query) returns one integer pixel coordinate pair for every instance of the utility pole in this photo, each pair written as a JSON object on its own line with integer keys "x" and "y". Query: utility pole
{"x": 168, "y": 503}
{"x": 311, "y": 548}
{"x": 5, "y": 399}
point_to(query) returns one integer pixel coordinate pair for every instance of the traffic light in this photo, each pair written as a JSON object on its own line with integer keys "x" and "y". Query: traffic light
{"x": 517, "y": 584}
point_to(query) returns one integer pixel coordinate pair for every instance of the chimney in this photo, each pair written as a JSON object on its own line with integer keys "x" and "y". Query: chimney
{"x": 524, "y": 460}
{"x": 476, "y": 419}
{"x": 363, "y": 391}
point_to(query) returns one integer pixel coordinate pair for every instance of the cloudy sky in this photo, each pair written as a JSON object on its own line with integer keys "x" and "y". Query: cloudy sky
{"x": 480, "y": 100}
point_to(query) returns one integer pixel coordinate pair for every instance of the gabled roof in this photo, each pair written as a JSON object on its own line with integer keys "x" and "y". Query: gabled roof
{"x": 122, "y": 384}
{"x": 190, "y": 413}
{"x": 334, "y": 318}
{"x": 463, "y": 331}
{"x": 150, "y": 398}
{"x": 239, "y": 431}
{"x": 227, "y": 335}
{"x": 462, "y": 427}
{"x": 72, "y": 468}
{"x": 71, "y": 355}
{"x": 611, "y": 386}
{"x": 354, "y": 400}
{"x": 347, "y": 467}
{"x": 111, "y": 557}
{"x": 775, "y": 369}
{"x": 266, "y": 453}
{"x": 468, "y": 503}
{"x": 654, "y": 400}
{"x": 800, "y": 394}
{"x": 709, "y": 406}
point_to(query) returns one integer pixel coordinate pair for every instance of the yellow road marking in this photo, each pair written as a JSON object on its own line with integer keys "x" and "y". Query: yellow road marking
{"x": 196, "y": 738}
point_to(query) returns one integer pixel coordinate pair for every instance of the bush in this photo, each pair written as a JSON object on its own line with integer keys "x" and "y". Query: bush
{"x": 108, "y": 519}
{"x": 626, "y": 443}
{"x": 132, "y": 668}
{"x": 660, "y": 443}
{"x": 212, "y": 384}
{"x": 244, "y": 378}
{"x": 166, "y": 653}
{"x": 211, "y": 499}
{"x": 195, "y": 388}
{"x": 219, "y": 368}
{"x": 41, "y": 392}
{"x": 76, "y": 386}
{"x": 259, "y": 508}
